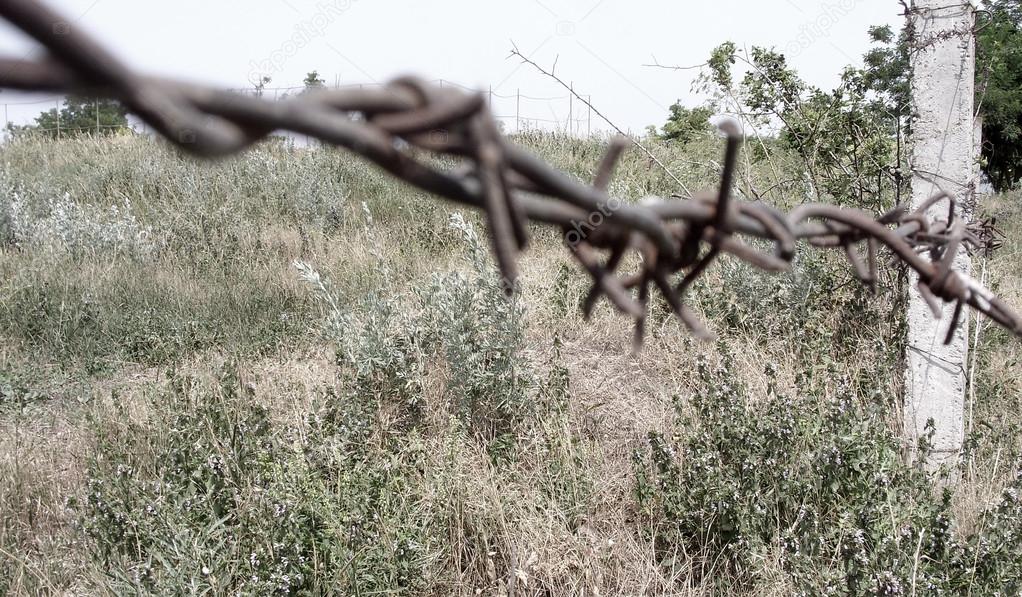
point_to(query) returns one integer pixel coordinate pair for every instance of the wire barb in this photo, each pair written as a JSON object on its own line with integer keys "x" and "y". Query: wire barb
{"x": 394, "y": 125}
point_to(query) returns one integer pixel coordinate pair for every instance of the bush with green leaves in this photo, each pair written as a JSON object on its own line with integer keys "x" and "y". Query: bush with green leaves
{"x": 851, "y": 139}
{"x": 77, "y": 116}
{"x": 30, "y": 220}
{"x": 686, "y": 124}
{"x": 466, "y": 324}
{"x": 478, "y": 329}
{"x": 818, "y": 312}
{"x": 230, "y": 497}
{"x": 999, "y": 90}
{"x": 848, "y": 139}
{"x": 227, "y": 499}
{"x": 816, "y": 481}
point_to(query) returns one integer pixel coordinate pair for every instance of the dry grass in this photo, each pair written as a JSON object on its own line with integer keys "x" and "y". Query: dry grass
{"x": 242, "y": 274}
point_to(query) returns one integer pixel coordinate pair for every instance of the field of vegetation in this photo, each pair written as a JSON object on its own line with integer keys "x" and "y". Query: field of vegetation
{"x": 285, "y": 373}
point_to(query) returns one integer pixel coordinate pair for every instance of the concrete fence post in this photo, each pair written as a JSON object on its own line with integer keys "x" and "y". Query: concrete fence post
{"x": 571, "y": 107}
{"x": 943, "y": 145}
{"x": 518, "y": 110}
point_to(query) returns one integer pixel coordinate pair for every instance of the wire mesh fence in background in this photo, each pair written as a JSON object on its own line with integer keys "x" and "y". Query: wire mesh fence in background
{"x": 517, "y": 112}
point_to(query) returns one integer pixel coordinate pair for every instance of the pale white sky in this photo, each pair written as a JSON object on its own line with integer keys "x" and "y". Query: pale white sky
{"x": 599, "y": 45}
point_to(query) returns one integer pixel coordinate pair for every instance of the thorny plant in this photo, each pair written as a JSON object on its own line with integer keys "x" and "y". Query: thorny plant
{"x": 392, "y": 126}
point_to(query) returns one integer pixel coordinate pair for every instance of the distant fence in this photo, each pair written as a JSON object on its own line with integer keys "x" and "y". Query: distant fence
{"x": 47, "y": 104}
{"x": 516, "y": 111}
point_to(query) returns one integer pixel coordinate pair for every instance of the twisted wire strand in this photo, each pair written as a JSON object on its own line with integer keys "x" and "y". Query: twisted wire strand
{"x": 393, "y": 125}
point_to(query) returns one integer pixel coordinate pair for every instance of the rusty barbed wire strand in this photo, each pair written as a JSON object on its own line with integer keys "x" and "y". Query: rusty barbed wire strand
{"x": 393, "y": 125}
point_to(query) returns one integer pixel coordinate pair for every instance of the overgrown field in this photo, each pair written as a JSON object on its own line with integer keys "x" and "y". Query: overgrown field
{"x": 285, "y": 373}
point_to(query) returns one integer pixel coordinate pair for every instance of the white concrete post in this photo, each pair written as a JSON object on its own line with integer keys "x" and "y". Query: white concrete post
{"x": 943, "y": 148}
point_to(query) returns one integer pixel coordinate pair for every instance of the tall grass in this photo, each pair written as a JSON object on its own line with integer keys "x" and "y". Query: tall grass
{"x": 286, "y": 373}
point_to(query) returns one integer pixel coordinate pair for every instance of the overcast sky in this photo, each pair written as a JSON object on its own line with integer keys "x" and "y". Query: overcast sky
{"x": 599, "y": 45}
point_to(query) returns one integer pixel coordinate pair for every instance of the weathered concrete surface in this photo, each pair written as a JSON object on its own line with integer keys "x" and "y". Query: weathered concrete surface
{"x": 942, "y": 158}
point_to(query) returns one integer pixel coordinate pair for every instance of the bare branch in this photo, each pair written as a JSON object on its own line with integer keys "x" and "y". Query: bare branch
{"x": 656, "y": 64}
{"x": 634, "y": 141}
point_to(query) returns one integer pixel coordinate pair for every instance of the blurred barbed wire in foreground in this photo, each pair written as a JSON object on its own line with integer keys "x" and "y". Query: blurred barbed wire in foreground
{"x": 675, "y": 238}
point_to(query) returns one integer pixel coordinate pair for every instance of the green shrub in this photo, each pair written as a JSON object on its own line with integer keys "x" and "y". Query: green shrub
{"x": 465, "y": 324}
{"x": 226, "y": 499}
{"x": 817, "y": 482}
{"x": 479, "y": 331}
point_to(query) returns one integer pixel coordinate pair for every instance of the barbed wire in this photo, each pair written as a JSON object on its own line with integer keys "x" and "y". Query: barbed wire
{"x": 398, "y": 125}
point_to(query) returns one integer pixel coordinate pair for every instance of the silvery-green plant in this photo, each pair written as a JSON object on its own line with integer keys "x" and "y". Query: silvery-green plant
{"x": 59, "y": 223}
{"x": 463, "y": 320}
{"x": 480, "y": 330}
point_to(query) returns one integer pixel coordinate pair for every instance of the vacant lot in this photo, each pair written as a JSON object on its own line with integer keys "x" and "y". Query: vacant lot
{"x": 286, "y": 373}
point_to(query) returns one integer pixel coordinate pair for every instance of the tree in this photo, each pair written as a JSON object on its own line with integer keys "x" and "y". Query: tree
{"x": 999, "y": 91}
{"x": 851, "y": 139}
{"x": 848, "y": 138}
{"x": 81, "y": 115}
{"x": 312, "y": 81}
{"x": 886, "y": 70}
{"x": 259, "y": 85}
{"x": 685, "y": 124}
{"x": 78, "y": 116}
